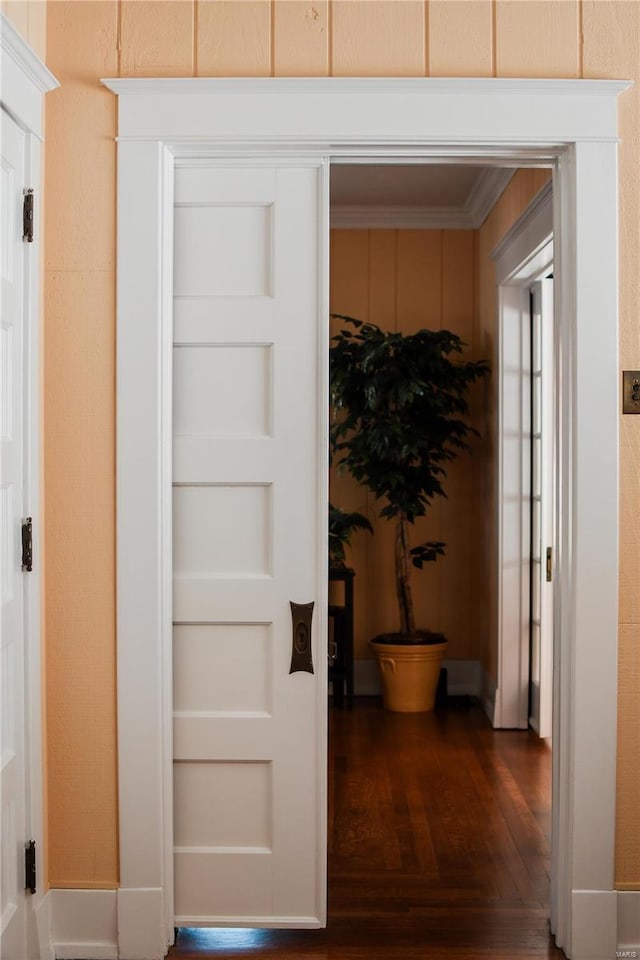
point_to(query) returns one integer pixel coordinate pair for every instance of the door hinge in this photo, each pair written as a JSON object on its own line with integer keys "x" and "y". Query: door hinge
{"x": 27, "y": 545}
{"x": 27, "y": 216}
{"x": 549, "y": 564}
{"x": 30, "y": 866}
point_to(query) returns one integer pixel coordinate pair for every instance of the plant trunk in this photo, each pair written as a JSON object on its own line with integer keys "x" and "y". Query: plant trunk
{"x": 403, "y": 585}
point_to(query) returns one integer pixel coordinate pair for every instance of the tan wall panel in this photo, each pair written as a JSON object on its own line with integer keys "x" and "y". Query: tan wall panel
{"x": 537, "y": 38}
{"x": 419, "y": 280}
{"x": 17, "y": 11}
{"x": 81, "y": 127}
{"x": 301, "y": 38}
{"x": 233, "y": 39}
{"x": 382, "y": 290}
{"x": 79, "y": 463}
{"x": 612, "y": 49}
{"x": 628, "y": 808}
{"x": 485, "y": 567}
{"x": 378, "y": 38}
{"x": 456, "y": 601}
{"x": 156, "y": 38}
{"x": 80, "y": 557}
{"x": 38, "y": 27}
{"x": 460, "y": 38}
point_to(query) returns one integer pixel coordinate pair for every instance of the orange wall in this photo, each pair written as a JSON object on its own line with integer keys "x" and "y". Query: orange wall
{"x": 29, "y": 17}
{"x": 405, "y": 280}
{"x": 89, "y": 40}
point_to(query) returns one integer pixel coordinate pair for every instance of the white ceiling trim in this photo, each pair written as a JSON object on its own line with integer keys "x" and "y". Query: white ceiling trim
{"x": 468, "y": 216}
{"x": 486, "y": 192}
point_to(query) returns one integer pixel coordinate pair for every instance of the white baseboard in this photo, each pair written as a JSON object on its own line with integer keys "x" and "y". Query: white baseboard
{"x": 102, "y": 925}
{"x": 629, "y": 924}
{"x": 128, "y": 924}
{"x": 594, "y": 924}
{"x": 84, "y": 924}
{"x": 42, "y": 913}
{"x": 464, "y": 678}
{"x": 141, "y": 924}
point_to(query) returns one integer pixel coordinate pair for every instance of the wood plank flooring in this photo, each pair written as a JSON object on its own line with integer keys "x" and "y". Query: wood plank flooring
{"x": 438, "y": 845}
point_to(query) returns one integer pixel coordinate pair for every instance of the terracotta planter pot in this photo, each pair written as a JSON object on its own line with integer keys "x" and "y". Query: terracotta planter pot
{"x": 409, "y": 673}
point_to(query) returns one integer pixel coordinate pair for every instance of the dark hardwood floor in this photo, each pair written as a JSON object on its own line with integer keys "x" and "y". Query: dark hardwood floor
{"x": 438, "y": 845}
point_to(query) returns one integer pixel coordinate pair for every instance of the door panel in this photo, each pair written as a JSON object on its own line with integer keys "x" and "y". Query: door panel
{"x": 248, "y": 754}
{"x": 12, "y": 665}
{"x": 542, "y": 505}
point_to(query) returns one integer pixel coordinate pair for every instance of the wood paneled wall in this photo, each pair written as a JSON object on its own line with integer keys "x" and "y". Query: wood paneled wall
{"x": 405, "y": 280}
{"x": 88, "y": 40}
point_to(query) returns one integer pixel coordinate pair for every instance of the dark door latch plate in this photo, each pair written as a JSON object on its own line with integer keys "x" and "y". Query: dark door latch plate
{"x": 301, "y": 659}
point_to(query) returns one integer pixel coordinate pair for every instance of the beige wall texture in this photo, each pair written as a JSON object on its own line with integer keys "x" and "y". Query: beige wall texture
{"x": 29, "y": 17}
{"x": 405, "y": 280}
{"x": 88, "y": 40}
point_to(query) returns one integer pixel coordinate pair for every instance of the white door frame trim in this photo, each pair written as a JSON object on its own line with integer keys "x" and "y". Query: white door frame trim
{"x": 571, "y": 123}
{"x": 522, "y": 256}
{"x": 25, "y": 81}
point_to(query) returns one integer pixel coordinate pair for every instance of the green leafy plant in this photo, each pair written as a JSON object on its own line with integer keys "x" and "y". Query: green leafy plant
{"x": 342, "y": 526}
{"x": 399, "y": 406}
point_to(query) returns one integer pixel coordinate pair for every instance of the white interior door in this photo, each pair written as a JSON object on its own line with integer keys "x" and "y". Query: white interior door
{"x": 13, "y": 794}
{"x": 542, "y": 507}
{"x": 249, "y": 511}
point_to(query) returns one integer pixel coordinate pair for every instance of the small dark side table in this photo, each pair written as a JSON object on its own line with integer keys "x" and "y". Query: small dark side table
{"x": 341, "y": 668}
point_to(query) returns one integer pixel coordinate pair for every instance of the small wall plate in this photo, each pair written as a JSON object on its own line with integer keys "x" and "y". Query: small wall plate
{"x": 631, "y": 391}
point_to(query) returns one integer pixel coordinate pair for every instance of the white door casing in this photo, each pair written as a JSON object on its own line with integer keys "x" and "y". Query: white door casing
{"x": 523, "y": 255}
{"x": 247, "y": 488}
{"x": 24, "y": 81}
{"x": 573, "y": 124}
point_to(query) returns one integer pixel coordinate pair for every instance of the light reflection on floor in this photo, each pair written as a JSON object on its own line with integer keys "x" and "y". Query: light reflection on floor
{"x": 220, "y": 938}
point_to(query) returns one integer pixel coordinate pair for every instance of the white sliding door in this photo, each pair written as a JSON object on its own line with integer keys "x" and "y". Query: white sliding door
{"x": 249, "y": 481}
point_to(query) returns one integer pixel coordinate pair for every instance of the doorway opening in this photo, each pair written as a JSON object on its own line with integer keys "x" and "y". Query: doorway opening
{"x": 414, "y": 246}
{"x": 403, "y": 268}
{"x": 407, "y": 251}
{"x": 385, "y": 272}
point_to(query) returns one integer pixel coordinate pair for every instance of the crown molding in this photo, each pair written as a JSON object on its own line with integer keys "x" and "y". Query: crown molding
{"x": 405, "y": 217}
{"x": 486, "y": 192}
{"x": 468, "y": 216}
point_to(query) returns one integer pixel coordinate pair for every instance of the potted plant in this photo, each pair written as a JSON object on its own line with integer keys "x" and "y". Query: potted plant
{"x": 399, "y": 404}
{"x": 342, "y": 526}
